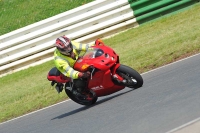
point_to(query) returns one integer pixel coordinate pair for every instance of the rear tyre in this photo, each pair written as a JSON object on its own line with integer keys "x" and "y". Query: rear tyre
{"x": 132, "y": 77}
{"x": 81, "y": 101}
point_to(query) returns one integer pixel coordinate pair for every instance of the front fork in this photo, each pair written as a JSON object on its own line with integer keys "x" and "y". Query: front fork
{"x": 116, "y": 76}
{"x": 122, "y": 78}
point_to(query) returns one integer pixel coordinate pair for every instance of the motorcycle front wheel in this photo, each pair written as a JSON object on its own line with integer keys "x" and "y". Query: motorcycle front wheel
{"x": 132, "y": 78}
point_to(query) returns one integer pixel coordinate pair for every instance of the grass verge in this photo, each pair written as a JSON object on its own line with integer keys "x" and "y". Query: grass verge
{"x": 15, "y": 14}
{"x": 149, "y": 46}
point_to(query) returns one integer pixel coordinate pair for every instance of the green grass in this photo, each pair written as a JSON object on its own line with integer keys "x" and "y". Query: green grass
{"x": 149, "y": 46}
{"x": 159, "y": 42}
{"x": 15, "y": 14}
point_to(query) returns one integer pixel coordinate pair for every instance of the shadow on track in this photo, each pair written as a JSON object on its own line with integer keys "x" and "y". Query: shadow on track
{"x": 87, "y": 107}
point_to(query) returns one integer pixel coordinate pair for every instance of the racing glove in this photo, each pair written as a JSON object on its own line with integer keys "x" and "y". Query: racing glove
{"x": 84, "y": 75}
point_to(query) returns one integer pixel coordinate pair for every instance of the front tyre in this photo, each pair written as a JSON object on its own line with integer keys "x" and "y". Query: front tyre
{"x": 132, "y": 78}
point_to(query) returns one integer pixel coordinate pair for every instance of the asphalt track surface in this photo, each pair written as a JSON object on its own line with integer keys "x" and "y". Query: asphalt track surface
{"x": 169, "y": 98}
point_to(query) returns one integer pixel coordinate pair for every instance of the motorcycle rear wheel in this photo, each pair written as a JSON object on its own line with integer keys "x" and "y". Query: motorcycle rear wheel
{"x": 133, "y": 78}
{"x": 80, "y": 101}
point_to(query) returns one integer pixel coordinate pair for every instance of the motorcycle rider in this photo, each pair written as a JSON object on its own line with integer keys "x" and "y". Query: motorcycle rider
{"x": 65, "y": 56}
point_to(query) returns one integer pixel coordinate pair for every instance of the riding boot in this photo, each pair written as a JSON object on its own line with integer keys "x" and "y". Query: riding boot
{"x": 78, "y": 92}
{"x": 79, "y": 89}
{"x": 59, "y": 87}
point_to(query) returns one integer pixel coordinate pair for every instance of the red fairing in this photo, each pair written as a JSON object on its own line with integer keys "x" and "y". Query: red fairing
{"x": 101, "y": 83}
{"x": 105, "y": 61}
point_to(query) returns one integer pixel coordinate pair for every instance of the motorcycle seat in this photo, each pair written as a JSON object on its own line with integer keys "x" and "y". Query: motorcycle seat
{"x": 54, "y": 72}
{"x": 56, "y": 76}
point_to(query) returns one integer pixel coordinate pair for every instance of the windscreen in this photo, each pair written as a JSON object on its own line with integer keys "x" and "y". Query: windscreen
{"x": 93, "y": 53}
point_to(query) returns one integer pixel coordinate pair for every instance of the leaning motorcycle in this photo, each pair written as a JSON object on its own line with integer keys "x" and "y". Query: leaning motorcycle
{"x": 107, "y": 74}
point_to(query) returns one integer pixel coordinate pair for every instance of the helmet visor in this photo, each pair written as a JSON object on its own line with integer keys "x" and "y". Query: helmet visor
{"x": 67, "y": 50}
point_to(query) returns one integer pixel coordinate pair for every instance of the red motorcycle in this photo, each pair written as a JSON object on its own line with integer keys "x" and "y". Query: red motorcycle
{"x": 107, "y": 74}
